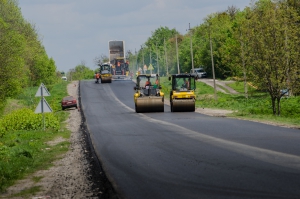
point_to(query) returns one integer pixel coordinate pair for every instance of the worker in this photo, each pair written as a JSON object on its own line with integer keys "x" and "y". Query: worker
{"x": 186, "y": 84}
{"x": 97, "y": 77}
{"x": 147, "y": 84}
{"x": 156, "y": 84}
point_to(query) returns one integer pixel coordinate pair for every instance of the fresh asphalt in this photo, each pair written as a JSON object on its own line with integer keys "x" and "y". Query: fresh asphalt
{"x": 187, "y": 155}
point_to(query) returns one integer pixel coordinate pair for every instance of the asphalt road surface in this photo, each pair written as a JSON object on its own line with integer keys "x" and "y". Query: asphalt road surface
{"x": 187, "y": 155}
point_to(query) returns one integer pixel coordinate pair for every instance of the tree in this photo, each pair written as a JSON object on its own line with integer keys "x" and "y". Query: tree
{"x": 81, "y": 72}
{"x": 11, "y": 74}
{"x": 273, "y": 48}
{"x": 101, "y": 59}
{"x": 155, "y": 45}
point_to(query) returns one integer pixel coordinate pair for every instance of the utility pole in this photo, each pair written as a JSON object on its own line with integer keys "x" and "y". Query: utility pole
{"x": 192, "y": 56}
{"x": 143, "y": 58}
{"x": 177, "y": 56}
{"x": 136, "y": 60}
{"x": 150, "y": 62}
{"x": 213, "y": 67}
{"x": 166, "y": 57}
{"x": 157, "y": 59}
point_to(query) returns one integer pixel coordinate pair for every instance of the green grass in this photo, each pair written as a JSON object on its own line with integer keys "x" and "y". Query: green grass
{"x": 24, "y": 152}
{"x": 257, "y": 106}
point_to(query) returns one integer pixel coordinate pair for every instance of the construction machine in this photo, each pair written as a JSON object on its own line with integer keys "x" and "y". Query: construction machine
{"x": 105, "y": 73}
{"x": 148, "y": 96}
{"x": 120, "y": 66}
{"x": 182, "y": 95}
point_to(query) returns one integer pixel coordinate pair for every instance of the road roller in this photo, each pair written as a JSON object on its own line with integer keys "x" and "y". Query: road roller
{"x": 105, "y": 74}
{"x": 182, "y": 95}
{"x": 148, "y": 96}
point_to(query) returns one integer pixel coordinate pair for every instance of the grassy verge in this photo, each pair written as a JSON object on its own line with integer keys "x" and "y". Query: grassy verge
{"x": 23, "y": 152}
{"x": 257, "y": 107}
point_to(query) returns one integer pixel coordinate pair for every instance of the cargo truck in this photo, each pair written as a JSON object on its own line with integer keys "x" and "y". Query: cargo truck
{"x": 119, "y": 65}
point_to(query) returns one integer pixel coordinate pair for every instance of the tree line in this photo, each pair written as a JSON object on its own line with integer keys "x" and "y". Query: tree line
{"x": 257, "y": 45}
{"x": 23, "y": 59}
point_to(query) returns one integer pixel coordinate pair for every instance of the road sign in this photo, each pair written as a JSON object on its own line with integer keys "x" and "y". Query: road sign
{"x": 43, "y": 107}
{"x": 145, "y": 67}
{"x": 150, "y": 67}
{"x": 42, "y": 91}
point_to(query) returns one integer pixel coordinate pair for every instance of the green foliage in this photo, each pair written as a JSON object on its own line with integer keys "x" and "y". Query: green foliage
{"x": 81, "y": 72}
{"x": 23, "y": 59}
{"x": 26, "y": 119}
{"x": 23, "y": 152}
{"x": 160, "y": 43}
{"x": 12, "y": 47}
{"x": 258, "y": 103}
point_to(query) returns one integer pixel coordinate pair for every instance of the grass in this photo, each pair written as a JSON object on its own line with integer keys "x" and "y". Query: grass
{"x": 257, "y": 107}
{"x": 24, "y": 152}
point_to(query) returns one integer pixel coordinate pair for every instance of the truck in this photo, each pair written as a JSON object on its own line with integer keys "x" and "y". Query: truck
{"x": 119, "y": 65}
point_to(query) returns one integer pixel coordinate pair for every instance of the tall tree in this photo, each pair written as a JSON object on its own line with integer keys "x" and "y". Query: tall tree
{"x": 273, "y": 48}
{"x": 155, "y": 45}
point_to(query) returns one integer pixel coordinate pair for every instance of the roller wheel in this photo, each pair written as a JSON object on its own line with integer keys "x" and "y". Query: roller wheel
{"x": 136, "y": 109}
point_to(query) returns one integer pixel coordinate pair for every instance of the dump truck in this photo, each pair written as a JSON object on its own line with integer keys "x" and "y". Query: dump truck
{"x": 182, "y": 94}
{"x": 105, "y": 73}
{"x": 119, "y": 65}
{"x": 148, "y": 96}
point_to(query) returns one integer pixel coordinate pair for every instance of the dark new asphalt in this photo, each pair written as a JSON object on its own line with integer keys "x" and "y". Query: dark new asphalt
{"x": 187, "y": 155}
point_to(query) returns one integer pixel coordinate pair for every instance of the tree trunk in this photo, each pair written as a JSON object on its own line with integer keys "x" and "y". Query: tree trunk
{"x": 273, "y": 105}
{"x": 278, "y": 106}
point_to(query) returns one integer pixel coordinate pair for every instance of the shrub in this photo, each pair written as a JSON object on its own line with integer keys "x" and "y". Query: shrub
{"x": 26, "y": 119}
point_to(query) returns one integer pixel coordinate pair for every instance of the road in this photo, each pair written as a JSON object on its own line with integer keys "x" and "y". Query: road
{"x": 187, "y": 155}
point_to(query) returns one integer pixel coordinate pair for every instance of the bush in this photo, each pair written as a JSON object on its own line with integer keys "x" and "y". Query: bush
{"x": 26, "y": 119}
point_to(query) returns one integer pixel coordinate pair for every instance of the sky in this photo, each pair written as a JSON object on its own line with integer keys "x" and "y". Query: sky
{"x": 77, "y": 31}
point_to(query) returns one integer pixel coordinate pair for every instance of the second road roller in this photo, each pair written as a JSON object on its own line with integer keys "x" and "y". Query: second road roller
{"x": 182, "y": 95}
{"x": 105, "y": 74}
{"x": 148, "y": 96}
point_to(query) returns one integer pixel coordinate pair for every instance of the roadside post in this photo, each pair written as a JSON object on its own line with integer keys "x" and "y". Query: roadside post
{"x": 43, "y": 106}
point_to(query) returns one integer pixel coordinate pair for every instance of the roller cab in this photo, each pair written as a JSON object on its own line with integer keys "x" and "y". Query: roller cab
{"x": 105, "y": 74}
{"x": 182, "y": 95}
{"x": 148, "y": 96}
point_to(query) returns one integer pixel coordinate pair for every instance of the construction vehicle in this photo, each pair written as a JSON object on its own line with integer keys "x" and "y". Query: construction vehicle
{"x": 148, "y": 96}
{"x": 105, "y": 73}
{"x": 120, "y": 67}
{"x": 182, "y": 95}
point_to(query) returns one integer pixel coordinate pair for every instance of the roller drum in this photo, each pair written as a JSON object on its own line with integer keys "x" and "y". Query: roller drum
{"x": 149, "y": 104}
{"x": 106, "y": 80}
{"x": 183, "y": 105}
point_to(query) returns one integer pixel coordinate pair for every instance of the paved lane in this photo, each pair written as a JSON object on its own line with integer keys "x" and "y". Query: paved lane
{"x": 188, "y": 155}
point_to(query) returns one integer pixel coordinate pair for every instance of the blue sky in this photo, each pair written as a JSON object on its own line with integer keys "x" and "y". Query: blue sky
{"x": 76, "y": 31}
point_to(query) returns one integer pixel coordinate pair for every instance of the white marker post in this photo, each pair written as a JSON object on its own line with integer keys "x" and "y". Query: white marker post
{"x": 43, "y": 106}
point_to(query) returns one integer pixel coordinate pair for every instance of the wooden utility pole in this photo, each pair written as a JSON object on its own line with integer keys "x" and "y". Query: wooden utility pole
{"x": 166, "y": 57}
{"x": 177, "y": 56}
{"x": 192, "y": 56}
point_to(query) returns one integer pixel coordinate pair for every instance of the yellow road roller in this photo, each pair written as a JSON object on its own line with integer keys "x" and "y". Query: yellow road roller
{"x": 105, "y": 73}
{"x": 148, "y": 96}
{"x": 182, "y": 95}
